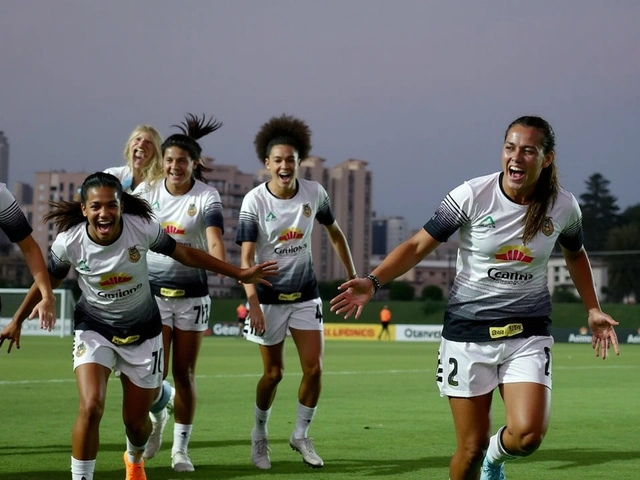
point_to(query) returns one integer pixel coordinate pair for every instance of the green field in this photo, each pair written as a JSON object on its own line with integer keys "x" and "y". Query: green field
{"x": 380, "y": 416}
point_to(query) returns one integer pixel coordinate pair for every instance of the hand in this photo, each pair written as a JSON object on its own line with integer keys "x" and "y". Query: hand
{"x": 12, "y": 332}
{"x": 45, "y": 310}
{"x": 356, "y": 294}
{"x": 604, "y": 336}
{"x": 255, "y": 273}
{"x": 257, "y": 322}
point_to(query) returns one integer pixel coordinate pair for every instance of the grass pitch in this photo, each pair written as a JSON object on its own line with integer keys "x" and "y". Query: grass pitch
{"x": 380, "y": 416}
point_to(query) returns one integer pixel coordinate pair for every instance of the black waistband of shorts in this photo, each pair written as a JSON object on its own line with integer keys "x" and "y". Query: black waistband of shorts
{"x": 464, "y": 330}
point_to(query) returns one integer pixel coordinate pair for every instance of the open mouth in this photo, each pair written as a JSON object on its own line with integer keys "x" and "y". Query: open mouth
{"x": 104, "y": 227}
{"x": 285, "y": 177}
{"x": 515, "y": 173}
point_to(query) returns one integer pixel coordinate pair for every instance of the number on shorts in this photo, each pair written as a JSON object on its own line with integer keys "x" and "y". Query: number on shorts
{"x": 202, "y": 313}
{"x": 547, "y": 363}
{"x": 453, "y": 372}
{"x": 319, "y": 313}
{"x": 158, "y": 361}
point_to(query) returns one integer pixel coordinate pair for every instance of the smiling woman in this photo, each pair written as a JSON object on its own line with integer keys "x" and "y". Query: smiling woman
{"x": 105, "y": 237}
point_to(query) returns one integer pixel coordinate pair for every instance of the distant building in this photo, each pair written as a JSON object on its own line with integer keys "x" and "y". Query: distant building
{"x": 4, "y": 158}
{"x": 387, "y": 233}
{"x": 23, "y": 193}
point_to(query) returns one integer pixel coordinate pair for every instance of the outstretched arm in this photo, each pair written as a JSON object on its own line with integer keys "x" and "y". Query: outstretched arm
{"x": 46, "y": 307}
{"x": 193, "y": 257}
{"x": 356, "y": 293}
{"x": 601, "y": 324}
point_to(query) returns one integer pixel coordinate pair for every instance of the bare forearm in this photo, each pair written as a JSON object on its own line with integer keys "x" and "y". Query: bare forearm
{"x": 580, "y": 270}
{"x": 344, "y": 253}
{"x": 192, "y": 257}
{"x": 37, "y": 267}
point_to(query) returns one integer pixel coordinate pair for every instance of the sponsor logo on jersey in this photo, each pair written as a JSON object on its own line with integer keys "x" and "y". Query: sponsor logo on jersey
{"x": 83, "y": 267}
{"x": 192, "y": 210}
{"x": 290, "y": 250}
{"x": 291, "y": 233}
{"x": 81, "y": 349}
{"x": 518, "y": 253}
{"x": 173, "y": 228}
{"x": 120, "y": 293}
{"x": 488, "y": 222}
{"x": 111, "y": 280}
{"x": 547, "y": 226}
{"x": 155, "y": 205}
{"x": 306, "y": 210}
{"x": 134, "y": 254}
{"x": 270, "y": 217}
{"x": 510, "y": 277}
{"x": 506, "y": 331}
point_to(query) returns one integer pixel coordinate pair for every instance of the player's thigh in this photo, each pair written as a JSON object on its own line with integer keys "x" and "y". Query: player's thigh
{"x": 276, "y": 318}
{"x": 472, "y": 420}
{"x": 186, "y": 347}
{"x": 467, "y": 369}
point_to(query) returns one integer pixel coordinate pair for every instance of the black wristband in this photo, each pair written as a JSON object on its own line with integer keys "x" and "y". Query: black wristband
{"x": 375, "y": 281}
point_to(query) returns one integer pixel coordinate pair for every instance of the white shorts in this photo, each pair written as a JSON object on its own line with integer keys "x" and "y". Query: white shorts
{"x": 468, "y": 369}
{"x": 141, "y": 363}
{"x": 187, "y": 314}
{"x": 280, "y": 317}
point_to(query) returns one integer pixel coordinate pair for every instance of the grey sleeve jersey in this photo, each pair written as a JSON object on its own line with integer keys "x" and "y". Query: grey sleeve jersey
{"x": 498, "y": 278}
{"x": 281, "y": 230}
{"x": 12, "y": 221}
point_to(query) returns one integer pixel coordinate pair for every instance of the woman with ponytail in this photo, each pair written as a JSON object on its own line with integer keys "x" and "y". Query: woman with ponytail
{"x": 105, "y": 237}
{"x": 497, "y": 323}
{"x": 190, "y": 211}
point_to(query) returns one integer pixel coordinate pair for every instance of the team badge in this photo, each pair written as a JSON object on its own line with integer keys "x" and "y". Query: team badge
{"x": 306, "y": 210}
{"x": 81, "y": 350}
{"x": 134, "y": 255}
{"x": 547, "y": 226}
{"x": 192, "y": 210}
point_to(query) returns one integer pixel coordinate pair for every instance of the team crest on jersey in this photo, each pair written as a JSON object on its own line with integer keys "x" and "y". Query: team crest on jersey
{"x": 192, "y": 210}
{"x": 306, "y": 210}
{"x": 81, "y": 350}
{"x": 134, "y": 254}
{"x": 547, "y": 226}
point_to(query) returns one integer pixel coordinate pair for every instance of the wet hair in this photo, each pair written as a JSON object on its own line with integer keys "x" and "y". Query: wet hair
{"x": 66, "y": 215}
{"x": 546, "y": 192}
{"x": 193, "y": 128}
{"x": 155, "y": 162}
{"x": 283, "y": 130}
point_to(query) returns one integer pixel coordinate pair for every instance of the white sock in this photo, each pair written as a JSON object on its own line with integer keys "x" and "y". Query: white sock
{"x": 181, "y": 437}
{"x": 134, "y": 453}
{"x": 262, "y": 418}
{"x": 303, "y": 420}
{"x": 82, "y": 469}
{"x": 496, "y": 452}
{"x": 159, "y": 417}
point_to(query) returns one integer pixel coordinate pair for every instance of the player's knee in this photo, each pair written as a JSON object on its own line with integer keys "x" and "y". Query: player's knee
{"x": 273, "y": 375}
{"x": 528, "y": 442}
{"x": 312, "y": 371}
{"x": 472, "y": 453}
{"x": 91, "y": 408}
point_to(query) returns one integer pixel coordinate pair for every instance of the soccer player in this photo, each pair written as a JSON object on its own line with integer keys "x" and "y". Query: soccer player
{"x": 143, "y": 157}
{"x": 105, "y": 238}
{"x": 15, "y": 225}
{"x": 496, "y": 325}
{"x": 190, "y": 211}
{"x": 276, "y": 220}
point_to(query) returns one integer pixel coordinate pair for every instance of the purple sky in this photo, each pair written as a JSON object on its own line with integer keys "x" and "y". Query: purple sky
{"x": 421, "y": 89}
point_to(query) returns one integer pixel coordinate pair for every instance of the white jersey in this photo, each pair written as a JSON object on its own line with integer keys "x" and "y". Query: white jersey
{"x": 500, "y": 289}
{"x": 186, "y": 218}
{"x": 12, "y": 221}
{"x": 281, "y": 229}
{"x": 123, "y": 174}
{"x": 116, "y": 297}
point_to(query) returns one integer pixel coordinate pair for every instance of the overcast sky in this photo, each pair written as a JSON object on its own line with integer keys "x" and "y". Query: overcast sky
{"x": 420, "y": 89}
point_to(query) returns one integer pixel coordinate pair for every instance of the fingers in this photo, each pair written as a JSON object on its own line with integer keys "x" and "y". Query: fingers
{"x": 264, "y": 282}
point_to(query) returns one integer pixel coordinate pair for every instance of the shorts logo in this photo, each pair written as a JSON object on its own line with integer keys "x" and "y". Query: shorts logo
{"x": 81, "y": 349}
{"x": 134, "y": 255}
{"x": 192, "y": 210}
{"x": 289, "y": 297}
{"x": 306, "y": 210}
{"x": 173, "y": 228}
{"x": 506, "y": 331}
{"x": 547, "y": 226}
{"x": 518, "y": 253}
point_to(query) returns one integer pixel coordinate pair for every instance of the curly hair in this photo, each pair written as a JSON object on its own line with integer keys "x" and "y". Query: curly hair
{"x": 283, "y": 130}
